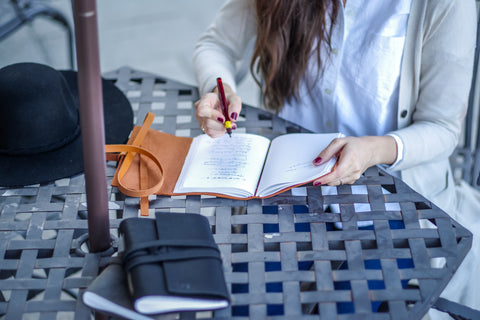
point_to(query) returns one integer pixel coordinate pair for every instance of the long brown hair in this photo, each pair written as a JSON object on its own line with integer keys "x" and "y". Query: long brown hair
{"x": 289, "y": 33}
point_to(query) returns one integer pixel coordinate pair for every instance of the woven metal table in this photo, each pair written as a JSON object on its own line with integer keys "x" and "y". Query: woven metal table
{"x": 284, "y": 255}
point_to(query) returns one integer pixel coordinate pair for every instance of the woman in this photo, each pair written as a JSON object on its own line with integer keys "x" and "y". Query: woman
{"x": 394, "y": 76}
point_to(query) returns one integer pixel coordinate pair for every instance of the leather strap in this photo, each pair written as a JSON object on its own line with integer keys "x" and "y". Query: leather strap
{"x": 157, "y": 245}
{"x": 173, "y": 255}
{"x": 124, "y": 155}
{"x": 129, "y": 149}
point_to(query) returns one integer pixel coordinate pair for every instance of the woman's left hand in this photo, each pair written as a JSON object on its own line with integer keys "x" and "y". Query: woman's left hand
{"x": 355, "y": 155}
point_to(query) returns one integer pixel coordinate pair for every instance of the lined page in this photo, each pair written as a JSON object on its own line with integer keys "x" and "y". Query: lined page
{"x": 224, "y": 165}
{"x": 290, "y": 161}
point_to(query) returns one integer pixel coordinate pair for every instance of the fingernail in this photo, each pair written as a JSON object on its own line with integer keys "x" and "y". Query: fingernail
{"x": 316, "y": 183}
{"x": 234, "y": 126}
{"x": 317, "y": 160}
{"x": 234, "y": 115}
{"x": 220, "y": 119}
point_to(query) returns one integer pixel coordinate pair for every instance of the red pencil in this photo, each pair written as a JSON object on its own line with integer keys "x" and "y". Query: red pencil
{"x": 223, "y": 103}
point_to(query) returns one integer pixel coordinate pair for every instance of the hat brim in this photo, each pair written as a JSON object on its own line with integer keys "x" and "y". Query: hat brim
{"x": 67, "y": 161}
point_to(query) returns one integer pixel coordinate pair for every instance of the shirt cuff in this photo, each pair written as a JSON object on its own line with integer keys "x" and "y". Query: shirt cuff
{"x": 399, "y": 143}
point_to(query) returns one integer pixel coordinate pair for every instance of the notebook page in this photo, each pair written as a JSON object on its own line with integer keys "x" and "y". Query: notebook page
{"x": 224, "y": 165}
{"x": 290, "y": 161}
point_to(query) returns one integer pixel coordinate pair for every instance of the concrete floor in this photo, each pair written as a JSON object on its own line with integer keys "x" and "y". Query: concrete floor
{"x": 156, "y": 36}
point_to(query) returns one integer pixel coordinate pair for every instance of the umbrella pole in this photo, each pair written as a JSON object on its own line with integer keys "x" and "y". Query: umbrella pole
{"x": 92, "y": 123}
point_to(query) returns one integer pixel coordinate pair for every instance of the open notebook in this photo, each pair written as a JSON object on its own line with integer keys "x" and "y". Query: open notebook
{"x": 248, "y": 165}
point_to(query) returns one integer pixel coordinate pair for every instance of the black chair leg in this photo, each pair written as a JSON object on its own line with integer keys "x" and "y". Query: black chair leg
{"x": 30, "y": 11}
{"x": 456, "y": 310}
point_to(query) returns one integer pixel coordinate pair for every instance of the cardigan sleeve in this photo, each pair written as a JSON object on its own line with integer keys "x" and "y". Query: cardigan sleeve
{"x": 442, "y": 64}
{"x": 224, "y": 44}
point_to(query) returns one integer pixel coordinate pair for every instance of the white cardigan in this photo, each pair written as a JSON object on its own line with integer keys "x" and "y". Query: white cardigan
{"x": 434, "y": 86}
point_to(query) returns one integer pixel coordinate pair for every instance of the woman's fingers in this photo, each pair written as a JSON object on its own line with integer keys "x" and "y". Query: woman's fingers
{"x": 330, "y": 151}
{"x": 354, "y": 156}
{"x": 234, "y": 104}
{"x": 210, "y": 115}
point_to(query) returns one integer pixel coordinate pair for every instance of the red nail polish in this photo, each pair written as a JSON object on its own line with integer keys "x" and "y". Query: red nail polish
{"x": 317, "y": 160}
{"x": 234, "y": 115}
{"x": 316, "y": 183}
{"x": 220, "y": 119}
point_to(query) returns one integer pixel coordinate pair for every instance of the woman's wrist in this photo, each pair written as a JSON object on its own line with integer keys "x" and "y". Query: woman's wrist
{"x": 382, "y": 149}
{"x": 385, "y": 150}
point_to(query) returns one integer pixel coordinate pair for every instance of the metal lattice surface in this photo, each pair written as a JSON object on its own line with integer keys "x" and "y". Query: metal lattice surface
{"x": 301, "y": 254}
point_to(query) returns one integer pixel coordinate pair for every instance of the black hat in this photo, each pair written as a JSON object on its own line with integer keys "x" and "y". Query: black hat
{"x": 40, "y": 139}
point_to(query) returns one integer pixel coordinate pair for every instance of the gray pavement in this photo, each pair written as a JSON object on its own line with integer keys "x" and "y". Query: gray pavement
{"x": 156, "y": 36}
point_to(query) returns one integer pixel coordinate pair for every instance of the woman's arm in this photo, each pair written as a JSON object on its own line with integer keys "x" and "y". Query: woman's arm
{"x": 223, "y": 44}
{"x": 216, "y": 54}
{"x": 439, "y": 71}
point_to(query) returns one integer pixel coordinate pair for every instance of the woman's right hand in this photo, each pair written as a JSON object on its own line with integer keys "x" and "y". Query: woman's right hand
{"x": 209, "y": 111}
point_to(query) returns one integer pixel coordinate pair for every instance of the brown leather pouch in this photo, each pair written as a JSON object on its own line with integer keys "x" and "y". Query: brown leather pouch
{"x": 149, "y": 163}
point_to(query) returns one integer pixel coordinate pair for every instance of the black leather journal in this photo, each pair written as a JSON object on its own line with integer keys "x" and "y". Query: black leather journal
{"x": 171, "y": 264}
